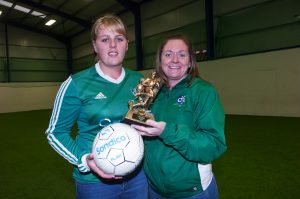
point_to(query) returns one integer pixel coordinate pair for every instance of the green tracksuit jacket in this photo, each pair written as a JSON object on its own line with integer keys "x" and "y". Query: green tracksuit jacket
{"x": 92, "y": 101}
{"x": 178, "y": 162}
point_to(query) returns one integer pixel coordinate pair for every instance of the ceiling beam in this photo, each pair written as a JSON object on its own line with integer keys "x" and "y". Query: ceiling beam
{"x": 83, "y": 23}
{"x": 129, "y": 5}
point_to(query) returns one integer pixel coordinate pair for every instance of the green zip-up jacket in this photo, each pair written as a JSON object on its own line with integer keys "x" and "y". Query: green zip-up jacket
{"x": 178, "y": 162}
{"x": 91, "y": 100}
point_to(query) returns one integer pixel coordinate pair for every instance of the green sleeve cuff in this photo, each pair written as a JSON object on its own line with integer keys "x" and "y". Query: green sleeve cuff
{"x": 170, "y": 130}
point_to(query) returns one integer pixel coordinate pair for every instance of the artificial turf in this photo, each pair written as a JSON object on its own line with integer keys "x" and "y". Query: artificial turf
{"x": 262, "y": 160}
{"x": 30, "y": 168}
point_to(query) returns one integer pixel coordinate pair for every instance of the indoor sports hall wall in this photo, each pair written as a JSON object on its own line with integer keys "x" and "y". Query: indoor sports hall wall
{"x": 259, "y": 84}
{"x": 157, "y": 22}
{"x": 30, "y": 57}
{"x": 256, "y": 64}
{"x": 240, "y": 28}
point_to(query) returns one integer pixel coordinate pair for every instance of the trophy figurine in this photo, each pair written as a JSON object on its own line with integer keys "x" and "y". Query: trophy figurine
{"x": 146, "y": 92}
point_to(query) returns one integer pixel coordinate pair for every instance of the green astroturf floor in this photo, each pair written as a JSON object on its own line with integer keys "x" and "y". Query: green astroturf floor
{"x": 30, "y": 168}
{"x": 262, "y": 160}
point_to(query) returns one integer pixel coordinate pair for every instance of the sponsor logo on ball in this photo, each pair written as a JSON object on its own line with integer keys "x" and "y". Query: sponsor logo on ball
{"x": 110, "y": 143}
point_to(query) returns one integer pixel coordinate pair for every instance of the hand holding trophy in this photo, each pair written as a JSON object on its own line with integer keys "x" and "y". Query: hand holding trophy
{"x": 146, "y": 92}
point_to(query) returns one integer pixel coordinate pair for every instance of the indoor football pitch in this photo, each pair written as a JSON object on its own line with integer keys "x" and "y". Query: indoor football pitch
{"x": 262, "y": 160}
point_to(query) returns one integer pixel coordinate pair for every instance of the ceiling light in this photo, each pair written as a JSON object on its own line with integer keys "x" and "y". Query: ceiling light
{"x": 0, "y": 12}
{"x": 21, "y": 8}
{"x": 50, "y": 22}
{"x": 38, "y": 14}
{"x": 5, "y": 3}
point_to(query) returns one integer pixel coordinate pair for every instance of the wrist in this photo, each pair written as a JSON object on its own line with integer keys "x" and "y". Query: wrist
{"x": 84, "y": 162}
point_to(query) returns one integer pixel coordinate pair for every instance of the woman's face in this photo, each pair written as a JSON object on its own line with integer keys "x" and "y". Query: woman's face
{"x": 175, "y": 61}
{"x": 110, "y": 47}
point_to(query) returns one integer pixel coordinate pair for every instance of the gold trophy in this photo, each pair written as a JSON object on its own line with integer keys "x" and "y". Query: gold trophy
{"x": 146, "y": 92}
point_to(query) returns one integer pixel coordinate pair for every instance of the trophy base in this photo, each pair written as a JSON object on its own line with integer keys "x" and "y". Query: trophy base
{"x": 134, "y": 118}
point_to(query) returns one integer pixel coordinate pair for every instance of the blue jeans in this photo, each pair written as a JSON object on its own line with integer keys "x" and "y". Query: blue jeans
{"x": 210, "y": 193}
{"x": 131, "y": 188}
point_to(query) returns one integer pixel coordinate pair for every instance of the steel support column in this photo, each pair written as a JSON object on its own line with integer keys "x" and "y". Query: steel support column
{"x": 134, "y": 8}
{"x": 209, "y": 19}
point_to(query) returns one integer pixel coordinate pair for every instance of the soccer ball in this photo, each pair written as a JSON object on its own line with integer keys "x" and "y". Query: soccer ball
{"x": 118, "y": 149}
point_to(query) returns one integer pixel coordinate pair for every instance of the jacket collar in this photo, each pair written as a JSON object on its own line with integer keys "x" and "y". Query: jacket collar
{"x": 183, "y": 83}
